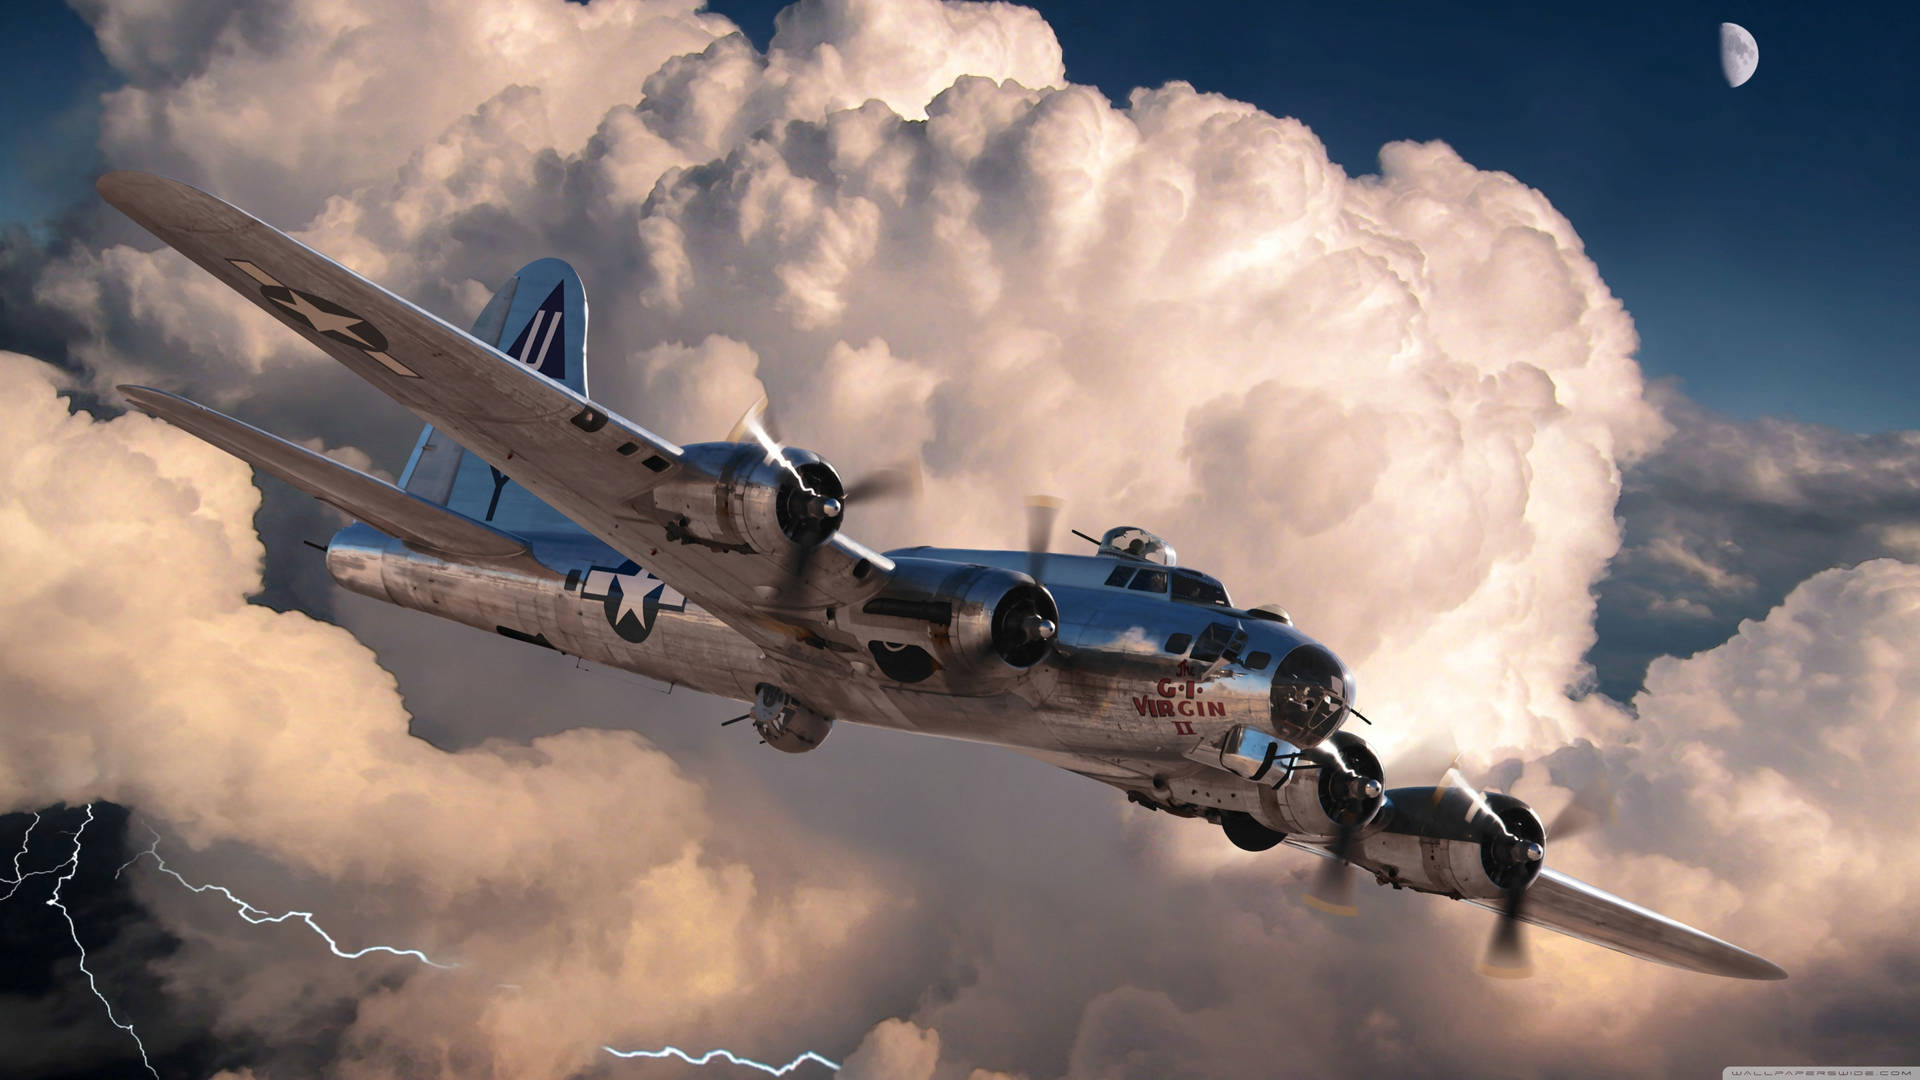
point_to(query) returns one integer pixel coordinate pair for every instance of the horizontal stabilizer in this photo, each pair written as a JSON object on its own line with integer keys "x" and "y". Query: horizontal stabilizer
{"x": 369, "y": 498}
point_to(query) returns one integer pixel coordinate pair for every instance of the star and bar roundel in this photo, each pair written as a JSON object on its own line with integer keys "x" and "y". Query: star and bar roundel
{"x": 326, "y": 318}
{"x": 631, "y": 597}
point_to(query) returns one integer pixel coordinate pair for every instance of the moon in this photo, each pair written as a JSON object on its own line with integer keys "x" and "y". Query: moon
{"x": 1739, "y": 53}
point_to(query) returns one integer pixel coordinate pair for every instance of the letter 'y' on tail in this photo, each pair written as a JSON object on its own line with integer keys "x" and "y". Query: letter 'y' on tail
{"x": 539, "y": 318}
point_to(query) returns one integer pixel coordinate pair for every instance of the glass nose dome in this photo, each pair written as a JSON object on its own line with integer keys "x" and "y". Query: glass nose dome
{"x": 1133, "y": 542}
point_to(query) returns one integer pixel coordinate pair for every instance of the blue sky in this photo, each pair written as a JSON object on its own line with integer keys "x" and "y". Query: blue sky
{"x": 1761, "y": 237}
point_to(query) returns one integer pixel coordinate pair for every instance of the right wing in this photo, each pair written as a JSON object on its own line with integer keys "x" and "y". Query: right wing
{"x": 597, "y": 468}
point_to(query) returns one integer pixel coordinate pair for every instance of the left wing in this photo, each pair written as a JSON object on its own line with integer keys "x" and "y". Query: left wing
{"x": 1554, "y": 900}
{"x": 1574, "y": 908}
{"x": 596, "y": 467}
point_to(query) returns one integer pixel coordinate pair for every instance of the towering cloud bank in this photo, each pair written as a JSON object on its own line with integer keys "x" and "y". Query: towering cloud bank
{"x": 1178, "y": 311}
{"x": 1397, "y": 403}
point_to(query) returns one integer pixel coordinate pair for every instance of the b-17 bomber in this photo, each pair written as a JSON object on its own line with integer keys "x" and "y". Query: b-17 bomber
{"x": 531, "y": 511}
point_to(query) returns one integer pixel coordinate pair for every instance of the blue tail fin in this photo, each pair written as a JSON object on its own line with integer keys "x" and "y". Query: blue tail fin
{"x": 539, "y": 317}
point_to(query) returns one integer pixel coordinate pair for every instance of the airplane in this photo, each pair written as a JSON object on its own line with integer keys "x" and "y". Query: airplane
{"x": 529, "y": 510}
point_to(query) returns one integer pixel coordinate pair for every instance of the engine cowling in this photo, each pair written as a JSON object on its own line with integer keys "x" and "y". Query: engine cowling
{"x": 1342, "y": 786}
{"x": 970, "y": 628}
{"x": 758, "y": 504}
{"x": 1438, "y": 840}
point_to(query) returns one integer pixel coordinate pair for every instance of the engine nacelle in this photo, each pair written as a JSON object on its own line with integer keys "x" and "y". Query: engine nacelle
{"x": 975, "y": 629}
{"x": 784, "y": 723}
{"x": 757, "y": 505}
{"x": 1449, "y": 845}
{"x": 1338, "y": 782}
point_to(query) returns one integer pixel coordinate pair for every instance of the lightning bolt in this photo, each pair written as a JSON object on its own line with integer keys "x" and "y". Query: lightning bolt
{"x": 725, "y": 1055}
{"x": 71, "y": 866}
{"x": 26, "y": 839}
{"x": 258, "y": 916}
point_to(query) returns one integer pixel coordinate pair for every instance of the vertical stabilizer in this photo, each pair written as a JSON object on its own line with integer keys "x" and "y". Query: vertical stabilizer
{"x": 538, "y": 318}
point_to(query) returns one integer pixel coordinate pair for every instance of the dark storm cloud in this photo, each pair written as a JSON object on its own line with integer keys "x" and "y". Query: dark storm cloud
{"x": 1731, "y": 514}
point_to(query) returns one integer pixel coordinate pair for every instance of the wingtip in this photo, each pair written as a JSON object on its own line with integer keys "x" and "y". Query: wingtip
{"x": 159, "y": 204}
{"x": 138, "y": 396}
{"x": 121, "y": 184}
{"x": 1761, "y": 969}
{"x": 142, "y": 395}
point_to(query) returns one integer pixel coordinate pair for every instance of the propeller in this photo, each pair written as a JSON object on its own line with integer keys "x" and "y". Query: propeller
{"x": 1042, "y": 512}
{"x": 887, "y": 482}
{"x": 1332, "y": 890}
{"x": 1507, "y": 955}
{"x": 1435, "y": 754}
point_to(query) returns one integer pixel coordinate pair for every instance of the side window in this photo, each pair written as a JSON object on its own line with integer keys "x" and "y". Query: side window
{"x": 1177, "y": 644}
{"x": 1217, "y": 640}
{"x": 1259, "y": 661}
{"x": 1150, "y": 581}
{"x": 1119, "y": 576}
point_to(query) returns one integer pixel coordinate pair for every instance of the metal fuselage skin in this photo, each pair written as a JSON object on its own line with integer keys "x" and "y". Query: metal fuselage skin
{"x": 1119, "y": 696}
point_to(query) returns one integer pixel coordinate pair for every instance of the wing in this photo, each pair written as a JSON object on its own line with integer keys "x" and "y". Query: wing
{"x": 1555, "y": 901}
{"x": 369, "y": 498}
{"x": 596, "y": 467}
{"x": 1569, "y": 906}
{"x": 1574, "y": 908}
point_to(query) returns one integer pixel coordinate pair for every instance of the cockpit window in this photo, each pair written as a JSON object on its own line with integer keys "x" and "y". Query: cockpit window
{"x": 1198, "y": 589}
{"x": 1150, "y": 581}
{"x": 1118, "y": 578}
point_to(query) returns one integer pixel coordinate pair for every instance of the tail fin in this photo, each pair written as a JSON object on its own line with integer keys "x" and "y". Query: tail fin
{"x": 539, "y": 317}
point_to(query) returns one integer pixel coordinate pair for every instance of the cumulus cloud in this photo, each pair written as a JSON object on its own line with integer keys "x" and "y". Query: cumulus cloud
{"x": 1263, "y": 343}
{"x": 1400, "y": 404}
{"x": 136, "y": 672}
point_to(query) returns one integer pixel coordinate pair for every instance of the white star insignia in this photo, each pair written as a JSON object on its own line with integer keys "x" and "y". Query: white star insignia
{"x": 634, "y": 590}
{"x": 322, "y": 321}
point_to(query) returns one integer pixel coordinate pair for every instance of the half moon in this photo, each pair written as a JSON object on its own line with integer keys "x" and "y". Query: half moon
{"x": 1739, "y": 53}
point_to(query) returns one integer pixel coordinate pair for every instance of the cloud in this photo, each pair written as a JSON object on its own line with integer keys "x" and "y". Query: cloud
{"x": 154, "y": 684}
{"x": 1730, "y": 515}
{"x": 1401, "y": 404}
{"x": 1262, "y": 343}
{"x": 894, "y": 1050}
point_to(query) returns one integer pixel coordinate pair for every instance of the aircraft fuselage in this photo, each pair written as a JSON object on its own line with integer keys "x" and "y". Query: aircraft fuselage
{"x": 1123, "y": 692}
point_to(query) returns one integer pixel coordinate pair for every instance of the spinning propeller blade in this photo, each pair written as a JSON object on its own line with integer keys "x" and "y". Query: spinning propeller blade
{"x": 1332, "y": 890}
{"x": 1042, "y": 512}
{"x": 891, "y": 481}
{"x": 887, "y": 482}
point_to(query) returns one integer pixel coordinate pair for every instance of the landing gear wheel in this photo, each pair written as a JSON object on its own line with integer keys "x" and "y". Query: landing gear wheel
{"x": 1248, "y": 834}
